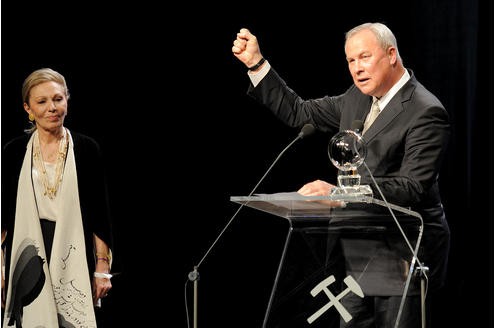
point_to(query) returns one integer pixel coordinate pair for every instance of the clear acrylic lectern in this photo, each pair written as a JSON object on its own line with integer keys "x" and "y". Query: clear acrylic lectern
{"x": 338, "y": 247}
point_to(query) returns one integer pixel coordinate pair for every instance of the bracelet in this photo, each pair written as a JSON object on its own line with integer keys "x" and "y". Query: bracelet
{"x": 103, "y": 257}
{"x": 255, "y": 67}
{"x": 102, "y": 275}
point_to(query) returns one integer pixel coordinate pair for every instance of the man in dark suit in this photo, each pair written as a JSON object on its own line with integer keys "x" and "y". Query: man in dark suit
{"x": 406, "y": 143}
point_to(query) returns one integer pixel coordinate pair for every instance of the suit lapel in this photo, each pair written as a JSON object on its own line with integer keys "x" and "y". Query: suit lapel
{"x": 392, "y": 109}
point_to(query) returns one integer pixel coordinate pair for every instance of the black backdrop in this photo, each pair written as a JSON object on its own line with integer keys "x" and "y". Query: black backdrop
{"x": 158, "y": 87}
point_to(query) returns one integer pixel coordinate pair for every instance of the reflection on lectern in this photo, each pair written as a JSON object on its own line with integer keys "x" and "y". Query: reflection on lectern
{"x": 334, "y": 253}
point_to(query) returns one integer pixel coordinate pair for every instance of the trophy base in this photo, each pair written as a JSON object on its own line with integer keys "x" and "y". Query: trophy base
{"x": 359, "y": 190}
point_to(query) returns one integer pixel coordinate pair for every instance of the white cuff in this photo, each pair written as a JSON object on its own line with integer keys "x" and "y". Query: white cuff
{"x": 102, "y": 275}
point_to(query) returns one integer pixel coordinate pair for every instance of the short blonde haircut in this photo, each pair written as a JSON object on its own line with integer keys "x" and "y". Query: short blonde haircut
{"x": 37, "y": 77}
{"x": 40, "y": 76}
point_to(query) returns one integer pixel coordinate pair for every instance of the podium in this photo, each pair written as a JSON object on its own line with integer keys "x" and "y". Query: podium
{"x": 338, "y": 247}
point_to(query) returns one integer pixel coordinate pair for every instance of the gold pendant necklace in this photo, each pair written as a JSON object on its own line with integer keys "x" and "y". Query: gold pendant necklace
{"x": 50, "y": 190}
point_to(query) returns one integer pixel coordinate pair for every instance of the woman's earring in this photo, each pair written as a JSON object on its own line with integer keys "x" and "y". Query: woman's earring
{"x": 31, "y": 117}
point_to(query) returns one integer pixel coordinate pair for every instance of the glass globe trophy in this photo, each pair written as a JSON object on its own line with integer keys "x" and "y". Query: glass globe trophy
{"x": 347, "y": 151}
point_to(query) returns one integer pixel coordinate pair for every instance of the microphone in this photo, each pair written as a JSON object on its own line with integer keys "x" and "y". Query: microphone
{"x": 357, "y": 126}
{"x": 307, "y": 130}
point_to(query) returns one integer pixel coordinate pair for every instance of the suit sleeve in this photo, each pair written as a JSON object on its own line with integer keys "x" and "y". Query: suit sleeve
{"x": 273, "y": 93}
{"x": 425, "y": 143}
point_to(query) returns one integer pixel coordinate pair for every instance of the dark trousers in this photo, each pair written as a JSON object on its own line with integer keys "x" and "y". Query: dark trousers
{"x": 48, "y": 231}
{"x": 382, "y": 311}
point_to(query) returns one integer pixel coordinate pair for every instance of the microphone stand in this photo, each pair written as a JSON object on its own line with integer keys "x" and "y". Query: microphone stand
{"x": 421, "y": 270}
{"x": 193, "y": 276}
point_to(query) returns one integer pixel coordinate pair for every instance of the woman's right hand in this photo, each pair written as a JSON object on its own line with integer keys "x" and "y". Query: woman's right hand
{"x": 2, "y": 264}
{"x": 3, "y": 281}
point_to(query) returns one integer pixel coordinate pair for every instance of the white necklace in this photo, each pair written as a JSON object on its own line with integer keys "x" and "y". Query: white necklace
{"x": 50, "y": 190}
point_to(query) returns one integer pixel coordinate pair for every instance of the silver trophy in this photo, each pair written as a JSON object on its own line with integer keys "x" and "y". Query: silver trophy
{"x": 347, "y": 151}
